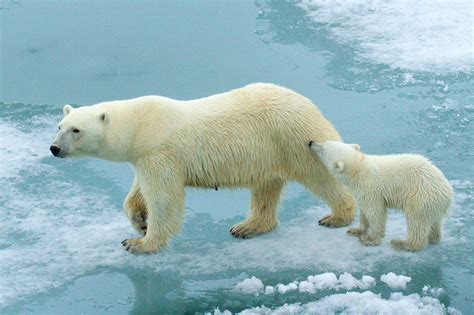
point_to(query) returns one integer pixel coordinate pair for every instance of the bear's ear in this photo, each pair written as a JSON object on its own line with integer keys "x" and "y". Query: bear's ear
{"x": 104, "y": 117}
{"x": 355, "y": 146}
{"x": 67, "y": 109}
{"x": 339, "y": 166}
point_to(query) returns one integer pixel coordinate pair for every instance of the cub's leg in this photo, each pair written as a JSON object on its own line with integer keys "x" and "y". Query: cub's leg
{"x": 336, "y": 195}
{"x": 376, "y": 215}
{"x": 163, "y": 192}
{"x": 263, "y": 210}
{"x": 135, "y": 208}
{"x": 436, "y": 232}
{"x": 363, "y": 227}
{"x": 419, "y": 229}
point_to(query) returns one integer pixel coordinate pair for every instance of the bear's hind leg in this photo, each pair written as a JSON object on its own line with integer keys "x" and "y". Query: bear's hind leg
{"x": 135, "y": 208}
{"x": 418, "y": 232}
{"x": 263, "y": 210}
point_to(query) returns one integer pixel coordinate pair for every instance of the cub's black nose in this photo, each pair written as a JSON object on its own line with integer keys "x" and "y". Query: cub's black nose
{"x": 310, "y": 143}
{"x": 55, "y": 150}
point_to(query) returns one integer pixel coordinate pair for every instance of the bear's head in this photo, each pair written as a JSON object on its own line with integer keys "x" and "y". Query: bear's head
{"x": 339, "y": 158}
{"x": 81, "y": 132}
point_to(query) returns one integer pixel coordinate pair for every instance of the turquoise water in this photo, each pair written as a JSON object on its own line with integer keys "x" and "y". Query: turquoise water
{"x": 392, "y": 77}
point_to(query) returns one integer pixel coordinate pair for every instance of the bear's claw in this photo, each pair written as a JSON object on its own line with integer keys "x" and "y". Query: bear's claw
{"x": 249, "y": 228}
{"x": 238, "y": 233}
{"x": 138, "y": 246}
{"x": 332, "y": 221}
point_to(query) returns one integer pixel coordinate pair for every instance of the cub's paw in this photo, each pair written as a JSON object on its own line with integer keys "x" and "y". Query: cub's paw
{"x": 247, "y": 229}
{"x": 139, "y": 247}
{"x": 333, "y": 221}
{"x": 405, "y": 245}
{"x": 356, "y": 232}
{"x": 369, "y": 240}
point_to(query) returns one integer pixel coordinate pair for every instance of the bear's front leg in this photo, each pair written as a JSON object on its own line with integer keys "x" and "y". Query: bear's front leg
{"x": 376, "y": 217}
{"x": 135, "y": 208}
{"x": 164, "y": 196}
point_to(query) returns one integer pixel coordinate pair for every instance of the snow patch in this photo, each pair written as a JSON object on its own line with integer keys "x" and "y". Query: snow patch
{"x": 395, "y": 281}
{"x": 282, "y": 288}
{"x": 324, "y": 281}
{"x": 357, "y": 303}
{"x": 435, "y": 292}
{"x": 269, "y": 290}
{"x": 250, "y": 286}
{"x": 405, "y": 35}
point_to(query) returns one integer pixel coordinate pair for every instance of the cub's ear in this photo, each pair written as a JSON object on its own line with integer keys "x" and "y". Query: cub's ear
{"x": 67, "y": 109}
{"x": 104, "y": 117}
{"x": 356, "y": 147}
{"x": 339, "y": 166}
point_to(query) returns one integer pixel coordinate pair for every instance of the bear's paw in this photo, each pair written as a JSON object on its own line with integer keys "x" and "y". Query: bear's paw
{"x": 139, "y": 246}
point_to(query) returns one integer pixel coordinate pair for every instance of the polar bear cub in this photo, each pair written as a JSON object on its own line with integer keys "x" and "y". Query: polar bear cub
{"x": 404, "y": 181}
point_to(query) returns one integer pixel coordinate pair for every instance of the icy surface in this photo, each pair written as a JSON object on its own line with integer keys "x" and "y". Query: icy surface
{"x": 324, "y": 281}
{"x": 357, "y": 303}
{"x": 435, "y": 292}
{"x": 395, "y": 281}
{"x": 250, "y": 286}
{"x": 403, "y": 87}
{"x": 409, "y": 35}
{"x": 54, "y": 220}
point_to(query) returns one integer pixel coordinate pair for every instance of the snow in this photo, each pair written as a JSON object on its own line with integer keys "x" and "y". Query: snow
{"x": 306, "y": 286}
{"x": 324, "y": 281}
{"x": 435, "y": 292}
{"x": 269, "y": 290}
{"x": 250, "y": 286}
{"x": 282, "y": 288}
{"x": 395, "y": 281}
{"x": 358, "y": 303}
{"x": 402, "y": 34}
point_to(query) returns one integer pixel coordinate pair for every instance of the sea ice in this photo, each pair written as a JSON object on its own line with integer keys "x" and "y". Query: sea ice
{"x": 250, "y": 286}
{"x": 357, "y": 303}
{"x": 395, "y": 281}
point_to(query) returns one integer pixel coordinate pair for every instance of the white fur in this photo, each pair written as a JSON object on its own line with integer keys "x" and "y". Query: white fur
{"x": 403, "y": 181}
{"x": 255, "y": 137}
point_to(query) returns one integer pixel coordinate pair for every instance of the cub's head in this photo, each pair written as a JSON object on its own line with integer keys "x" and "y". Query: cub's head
{"x": 81, "y": 132}
{"x": 339, "y": 158}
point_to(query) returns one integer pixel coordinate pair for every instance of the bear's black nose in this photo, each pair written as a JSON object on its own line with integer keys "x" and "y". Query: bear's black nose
{"x": 310, "y": 143}
{"x": 55, "y": 150}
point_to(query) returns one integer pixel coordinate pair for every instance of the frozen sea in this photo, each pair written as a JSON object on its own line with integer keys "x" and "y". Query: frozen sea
{"x": 394, "y": 76}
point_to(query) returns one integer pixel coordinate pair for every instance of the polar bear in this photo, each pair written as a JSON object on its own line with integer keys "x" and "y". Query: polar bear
{"x": 254, "y": 137}
{"x": 404, "y": 181}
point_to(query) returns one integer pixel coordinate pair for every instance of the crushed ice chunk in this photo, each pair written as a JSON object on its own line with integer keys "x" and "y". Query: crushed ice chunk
{"x": 435, "y": 292}
{"x": 306, "y": 286}
{"x": 269, "y": 290}
{"x": 282, "y": 288}
{"x": 250, "y": 286}
{"x": 359, "y": 303}
{"x": 395, "y": 281}
{"x": 323, "y": 281}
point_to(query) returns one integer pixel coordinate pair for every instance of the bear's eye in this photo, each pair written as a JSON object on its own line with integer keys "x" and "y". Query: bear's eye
{"x": 75, "y": 130}
{"x": 59, "y": 127}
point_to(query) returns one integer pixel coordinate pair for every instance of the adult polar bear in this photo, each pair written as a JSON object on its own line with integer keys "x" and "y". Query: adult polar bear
{"x": 255, "y": 136}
